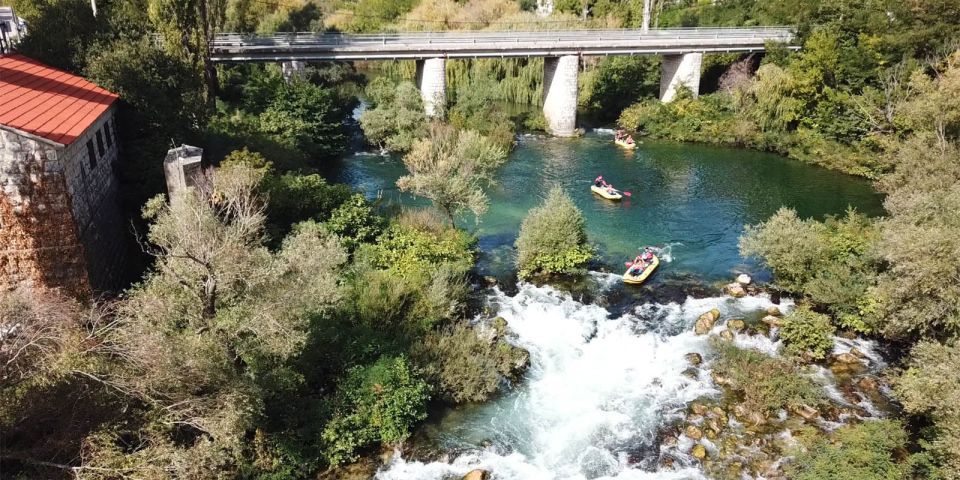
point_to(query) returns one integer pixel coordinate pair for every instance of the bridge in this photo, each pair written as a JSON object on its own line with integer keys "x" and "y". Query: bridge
{"x": 682, "y": 50}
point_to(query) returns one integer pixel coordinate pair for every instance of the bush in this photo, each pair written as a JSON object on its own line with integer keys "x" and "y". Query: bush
{"x": 394, "y": 119}
{"x": 406, "y": 249}
{"x": 355, "y": 222}
{"x": 768, "y": 384}
{"x": 806, "y": 332}
{"x": 873, "y": 450}
{"x": 378, "y": 403}
{"x": 307, "y": 118}
{"x": 466, "y": 367}
{"x": 832, "y": 263}
{"x": 553, "y": 238}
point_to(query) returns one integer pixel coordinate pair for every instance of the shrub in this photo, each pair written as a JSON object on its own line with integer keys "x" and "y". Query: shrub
{"x": 806, "y": 332}
{"x": 768, "y": 384}
{"x": 409, "y": 249}
{"x": 355, "y": 222}
{"x": 553, "y": 238}
{"x": 873, "y": 450}
{"x": 378, "y": 403}
{"x": 832, "y": 263}
{"x": 395, "y": 119}
{"x": 307, "y": 118}
{"x": 466, "y": 367}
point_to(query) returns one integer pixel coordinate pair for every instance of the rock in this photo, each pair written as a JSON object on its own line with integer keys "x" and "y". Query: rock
{"x": 845, "y": 357}
{"x": 868, "y": 383}
{"x": 693, "y": 432}
{"x": 669, "y": 440}
{"x": 720, "y": 379}
{"x": 744, "y": 279}
{"x": 736, "y": 324}
{"x": 478, "y": 474}
{"x": 489, "y": 281}
{"x": 712, "y": 434}
{"x": 858, "y": 353}
{"x": 699, "y": 451}
{"x": 714, "y": 425}
{"x": 705, "y": 322}
{"x": 698, "y": 408}
{"x": 772, "y": 321}
{"x": 719, "y": 413}
{"x": 694, "y": 358}
{"x": 774, "y": 310}
{"x": 727, "y": 335}
{"x": 807, "y": 412}
{"x": 735, "y": 290}
{"x": 499, "y": 325}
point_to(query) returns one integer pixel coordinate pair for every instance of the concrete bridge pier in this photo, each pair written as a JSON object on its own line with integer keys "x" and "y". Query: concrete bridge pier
{"x": 293, "y": 70}
{"x": 560, "y": 94}
{"x": 679, "y": 70}
{"x": 432, "y": 82}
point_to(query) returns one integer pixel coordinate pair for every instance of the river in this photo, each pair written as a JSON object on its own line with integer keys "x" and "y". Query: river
{"x": 608, "y": 370}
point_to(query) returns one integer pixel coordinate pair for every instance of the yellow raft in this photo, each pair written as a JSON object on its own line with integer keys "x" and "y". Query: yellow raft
{"x": 602, "y": 191}
{"x": 642, "y": 277}
{"x": 625, "y": 144}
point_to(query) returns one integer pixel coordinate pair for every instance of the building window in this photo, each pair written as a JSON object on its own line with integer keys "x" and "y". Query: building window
{"x": 91, "y": 155}
{"x": 107, "y": 133}
{"x": 100, "y": 143}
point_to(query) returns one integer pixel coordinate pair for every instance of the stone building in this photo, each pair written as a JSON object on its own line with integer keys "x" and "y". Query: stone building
{"x": 60, "y": 223}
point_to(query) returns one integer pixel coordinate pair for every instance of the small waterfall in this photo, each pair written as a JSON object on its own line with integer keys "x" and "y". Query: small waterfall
{"x": 597, "y": 393}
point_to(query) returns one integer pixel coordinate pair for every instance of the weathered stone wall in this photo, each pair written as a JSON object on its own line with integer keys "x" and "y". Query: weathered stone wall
{"x": 39, "y": 243}
{"x": 60, "y": 224}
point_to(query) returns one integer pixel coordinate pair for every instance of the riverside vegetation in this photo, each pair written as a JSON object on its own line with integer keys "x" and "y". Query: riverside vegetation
{"x": 288, "y": 327}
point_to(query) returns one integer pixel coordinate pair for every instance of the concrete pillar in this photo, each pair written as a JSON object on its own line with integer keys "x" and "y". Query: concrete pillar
{"x": 432, "y": 82}
{"x": 560, "y": 94}
{"x": 292, "y": 70}
{"x": 677, "y": 70}
{"x": 183, "y": 169}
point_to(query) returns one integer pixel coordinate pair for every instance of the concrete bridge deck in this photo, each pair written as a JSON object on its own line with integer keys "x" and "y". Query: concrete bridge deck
{"x": 231, "y": 47}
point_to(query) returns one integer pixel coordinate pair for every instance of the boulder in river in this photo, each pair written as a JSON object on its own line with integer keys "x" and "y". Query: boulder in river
{"x": 773, "y": 310}
{"x": 477, "y": 474}
{"x": 699, "y": 452}
{"x": 727, "y": 335}
{"x": 772, "y": 321}
{"x": 694, "y": 358}
{"x": 736, "y": 324}
{"x": 868, "y": 384}
{"x": 698, "y": 408}
{"x": 693, "y": 432}
{"x": 807, "y": 412}
{"x": 705, "y": 322}
{"x": 744, "y": 279}
{"x": 735, "y": 290}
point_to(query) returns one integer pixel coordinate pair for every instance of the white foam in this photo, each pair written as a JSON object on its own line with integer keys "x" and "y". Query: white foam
{"x": 598, "y": 388}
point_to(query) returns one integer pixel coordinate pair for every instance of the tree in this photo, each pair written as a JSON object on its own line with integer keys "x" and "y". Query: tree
{"x": 450, "y": 168}
{"x": 873, "y": 450}
{"x": 395, "y": 118}
{"x": 553, "y": 238}
{"x": 307, "y": 118}
{"x": 189, "y": 27}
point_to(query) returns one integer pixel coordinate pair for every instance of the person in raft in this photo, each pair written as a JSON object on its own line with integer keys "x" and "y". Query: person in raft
{"x": 618, "y": 135}
{"x": 598, "y": 182}
{"x": 629, "y": 140}
{"x": 642, "y": 261}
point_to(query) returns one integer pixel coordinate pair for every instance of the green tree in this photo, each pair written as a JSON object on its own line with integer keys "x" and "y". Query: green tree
{"x": 450, "y": 168}
{"x": 806, "y": 332}
{"x": 307, "y": 118}
{"x": 395, "y": 118}
{"x": 553, "y": 238}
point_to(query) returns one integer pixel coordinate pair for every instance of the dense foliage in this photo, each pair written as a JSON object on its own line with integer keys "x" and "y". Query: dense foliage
{"x": 807, "y": 333}
{"x": 553, "y": 238}
{"x": 767, "y": 384}
{"x": 872, "y": 450}
{"x": 394, "y": 118}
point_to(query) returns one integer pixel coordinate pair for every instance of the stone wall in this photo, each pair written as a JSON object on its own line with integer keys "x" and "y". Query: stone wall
{"x": 60, "y": 224}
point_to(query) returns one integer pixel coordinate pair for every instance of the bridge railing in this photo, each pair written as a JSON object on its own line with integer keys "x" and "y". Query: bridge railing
{"x": 226, "y": 40}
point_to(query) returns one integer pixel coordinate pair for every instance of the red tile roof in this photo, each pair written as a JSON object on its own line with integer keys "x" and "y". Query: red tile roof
{"x": 47, "y": 102}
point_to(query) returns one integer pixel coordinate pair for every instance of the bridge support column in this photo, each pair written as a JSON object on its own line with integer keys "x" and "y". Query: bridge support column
{"x": 293, "y": 69}
{"x": 677, "y": 71}
{"x": 560, "y": 94}
{"x": 432, "y": 82}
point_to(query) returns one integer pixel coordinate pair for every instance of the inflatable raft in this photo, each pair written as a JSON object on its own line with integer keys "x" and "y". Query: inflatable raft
{"x": 602, "y": 191}
{"x": 629, "y": 277}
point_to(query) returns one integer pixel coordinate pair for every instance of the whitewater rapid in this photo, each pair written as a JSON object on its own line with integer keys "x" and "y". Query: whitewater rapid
{"x": 598, "y": 391}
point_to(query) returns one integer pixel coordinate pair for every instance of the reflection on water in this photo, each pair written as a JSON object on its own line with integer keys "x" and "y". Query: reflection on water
{"x": 699, "y": 197}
